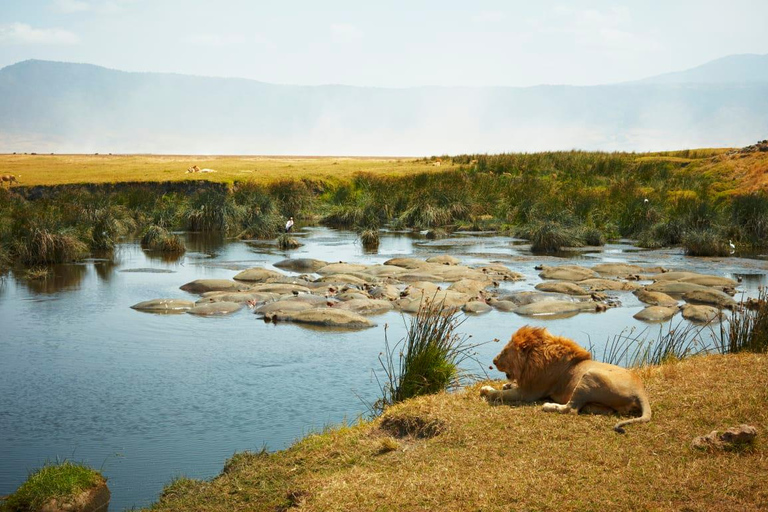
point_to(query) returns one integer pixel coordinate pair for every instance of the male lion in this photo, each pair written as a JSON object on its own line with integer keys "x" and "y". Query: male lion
{"x": 541, "y": 365}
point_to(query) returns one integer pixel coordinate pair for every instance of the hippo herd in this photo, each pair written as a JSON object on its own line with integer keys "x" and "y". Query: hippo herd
{"x": 344, "y": 295}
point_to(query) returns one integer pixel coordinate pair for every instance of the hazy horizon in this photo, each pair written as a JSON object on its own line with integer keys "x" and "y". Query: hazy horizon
{"x": 401, "y": 45}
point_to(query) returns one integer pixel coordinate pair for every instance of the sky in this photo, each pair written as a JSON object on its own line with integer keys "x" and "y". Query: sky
{"x": 387, "y": 44}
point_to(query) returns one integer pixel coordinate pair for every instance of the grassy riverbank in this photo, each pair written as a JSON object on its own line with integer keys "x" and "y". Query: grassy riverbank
{"x": 456, "y": 452}
{"x": 65, "y": 206}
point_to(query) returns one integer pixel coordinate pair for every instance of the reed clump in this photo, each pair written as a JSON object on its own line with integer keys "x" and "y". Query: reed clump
{"x": 705, "y": 242}
{"x": 156, "y": 238}
{"x": 428, "y": 360}
{"x": 369, "y": 238}
{"x": 747, "y": 329}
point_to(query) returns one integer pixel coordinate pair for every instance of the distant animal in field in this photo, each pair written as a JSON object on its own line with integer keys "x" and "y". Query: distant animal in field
{"x": 10, "y": 178}
{"x": 542, "y": 366}
{"x": 195, "y": 168}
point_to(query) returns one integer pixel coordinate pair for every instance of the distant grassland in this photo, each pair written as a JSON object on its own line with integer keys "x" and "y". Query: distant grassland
{"x": 33, "y": 170}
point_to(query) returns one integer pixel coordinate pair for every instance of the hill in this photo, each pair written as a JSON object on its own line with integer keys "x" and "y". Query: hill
{"x": 79, "y": 108}
{"x": 733, "y": 69}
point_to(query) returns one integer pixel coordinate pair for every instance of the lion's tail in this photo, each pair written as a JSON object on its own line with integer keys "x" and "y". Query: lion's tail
{"x": 645, "y": 408}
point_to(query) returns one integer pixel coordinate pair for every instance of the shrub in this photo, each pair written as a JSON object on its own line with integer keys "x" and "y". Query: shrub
{"x": 286, "y": 241}
{"x": 159, "y": 239}
{"x": 370, "y": 238}
{"x": 748, "y": 328}
{"x": 427, "y": 360}
{"x": 52, "y": 481}
{"x": 551, "y": 236}
{"x": 39, "y": 246}
{"x": 705, "y": 242}
{"x": 592, "y": 236}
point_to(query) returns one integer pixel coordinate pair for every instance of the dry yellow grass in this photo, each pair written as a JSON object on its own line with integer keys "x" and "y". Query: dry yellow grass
{"x": 77, "y": 169}
{"x": 460, "y": 453}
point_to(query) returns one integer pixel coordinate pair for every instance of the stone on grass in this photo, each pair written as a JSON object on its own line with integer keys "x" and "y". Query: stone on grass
{"x": 733, "y": 438}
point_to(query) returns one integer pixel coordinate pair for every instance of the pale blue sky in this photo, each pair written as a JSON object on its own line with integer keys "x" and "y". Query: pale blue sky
{"x": 388, "y": 44}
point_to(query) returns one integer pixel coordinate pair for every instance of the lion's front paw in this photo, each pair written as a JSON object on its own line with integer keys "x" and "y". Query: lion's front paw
{"x": 550, "y": 407}
{"x": 508, "y": 385}
{"x": 487, "y": 390}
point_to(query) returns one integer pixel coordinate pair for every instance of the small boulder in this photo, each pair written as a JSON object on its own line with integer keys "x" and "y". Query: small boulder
{"x": 476, "y": 307}
{"x": 710, "y": 297}
{"x": 567, "y": 273}
{"x": 256, "y": 275}
{"x": 733, "y": 438}
{"x": 328, "y": 317}
{"x": 164, "y": 306}
{"x": 444, "y": 259}
{"x": 656, "y": 313}
{"x": 283, "y": 306}
{"x": 366, "y": 306}
{"x": 301, "y": 264}
{"x": 701, "y": 314}
{"x": 655, "y": 298}
{"x": 215, "y": 309}
{"x": 565, "y": 287}
{"x": 340, "y": 268}
{"x": 200, "y": 286}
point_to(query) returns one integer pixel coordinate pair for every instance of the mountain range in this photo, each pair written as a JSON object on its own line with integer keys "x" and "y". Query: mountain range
{"x": 80, "y": 108}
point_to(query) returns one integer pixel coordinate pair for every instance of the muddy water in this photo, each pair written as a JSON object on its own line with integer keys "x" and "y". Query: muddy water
{"x": 147, "y": 398}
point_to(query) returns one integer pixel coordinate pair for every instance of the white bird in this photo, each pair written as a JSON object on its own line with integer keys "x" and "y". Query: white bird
{"x": 733, "y": 247}
{"x": 645, "y": 201}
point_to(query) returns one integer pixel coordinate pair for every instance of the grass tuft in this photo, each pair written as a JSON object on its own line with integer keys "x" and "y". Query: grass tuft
{"x": 60, "y": 481}
{"x": 748, "y": 328}
{"x": 370, "y": 238}
{"x": 705, "y": 242}
{"x": 156, "y": 238}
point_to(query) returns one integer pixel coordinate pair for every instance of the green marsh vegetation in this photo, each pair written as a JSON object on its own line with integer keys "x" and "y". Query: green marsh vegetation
{"x": 698, "y": 199}
{"x": 60, "y": 481}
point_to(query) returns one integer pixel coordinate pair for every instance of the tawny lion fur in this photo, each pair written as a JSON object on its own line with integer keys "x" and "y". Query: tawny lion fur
{"x": 540, "y": 365}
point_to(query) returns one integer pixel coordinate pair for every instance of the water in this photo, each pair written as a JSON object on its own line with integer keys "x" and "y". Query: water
{"x": 147, "y": 398}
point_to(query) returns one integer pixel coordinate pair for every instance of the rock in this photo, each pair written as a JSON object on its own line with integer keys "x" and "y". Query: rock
{"x": 385, "y": 270}
{"x": 599, "y": 285}
{"x": 476, "y": 307}
{"x": 352, "y": 295}
{"x": 214, "y": 285}
{"x": 656, "y": 313}
{"x": 655, "y": 298}
{"x": 278, "y": 288}
{"x": 414, "y": 276}
{"x": 711, "y": 297}
{"x": 733, "y": 438}
{"x": 164, "y": 306}
{"x": 329, "y": 317}
{"x": 215, "y": 309}
{"x": 301, "y": 264}
{"x": 617, "y": 269}
{"x": 95, "y": 499}
{"x": 252, "y": 297}
{"x": 422, "y": 287}
{"x": 565, "y": 287}
{"x": 567, "y": 273}
{"x": 444, "y": 259}
{"x": 283, "y": 306}
{"x": 409, "y": 263}
{"x": 502, "y": 305}
{"x": 499, "y": 272}
{"x": 256, "y": 275}
{"x": 386, "y": 292}
{"x": 674, "y": 276}
{"x": 341, "y": 279}
{"x": 705, "y": 280}
{"x": 340, "y": 268}
{"x": 529, "y": 297}
{"x": 469, "y": 286}
{"x": 555, "y": 307}
{"x": 366, "y": 306}
{"x": 701, "y": 314}
{"x": 674, "y": 287}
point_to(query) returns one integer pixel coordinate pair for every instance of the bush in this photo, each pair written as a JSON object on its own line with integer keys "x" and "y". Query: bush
{"x": 551, "y": 236}
{"x": 427, "y": 360}
{"x": 370, "y": 238}
{"x": 159, "y": 239}
{"x": 39, "y": 246}
{"x": 748, "y": 328}
{"x": 705, "y": 242}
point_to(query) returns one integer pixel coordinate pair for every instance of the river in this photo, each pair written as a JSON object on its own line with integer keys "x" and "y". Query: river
{"x": 146, "y": 398}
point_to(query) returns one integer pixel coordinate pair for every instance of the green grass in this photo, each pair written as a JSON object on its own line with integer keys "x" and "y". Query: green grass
{"x": 747, "y": 329}
{"x": 51, "y": 481}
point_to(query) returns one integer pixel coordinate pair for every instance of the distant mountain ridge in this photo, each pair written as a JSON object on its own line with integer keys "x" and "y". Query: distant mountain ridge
{"x": 82, "y": 108}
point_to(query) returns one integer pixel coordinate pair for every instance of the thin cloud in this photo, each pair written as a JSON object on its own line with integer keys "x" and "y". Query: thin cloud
{"x": 23, "y": 34}
{"x": 215, "y": 40}
{"x": 71, "y": 6}
{"x": 345, "y": 33}
{"x": 489, "y": 17}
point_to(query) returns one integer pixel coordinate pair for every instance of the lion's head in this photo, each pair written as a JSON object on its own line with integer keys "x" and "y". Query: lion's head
{"x": 533, "y": 350}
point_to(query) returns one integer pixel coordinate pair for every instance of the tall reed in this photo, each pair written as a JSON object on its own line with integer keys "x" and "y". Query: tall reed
{"x": 747, "y": 329}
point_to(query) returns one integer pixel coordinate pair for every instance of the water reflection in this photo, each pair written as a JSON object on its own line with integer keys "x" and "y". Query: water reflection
{"x": 59, "y": 278}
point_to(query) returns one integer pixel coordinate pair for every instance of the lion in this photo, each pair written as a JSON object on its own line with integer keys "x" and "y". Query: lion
{"x": 542, "y": 366}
